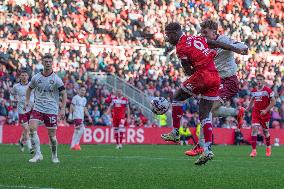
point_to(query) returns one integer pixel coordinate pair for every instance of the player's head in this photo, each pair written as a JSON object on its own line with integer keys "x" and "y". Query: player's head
{"x": 24, "y": 76}
{"x": 82, "y": 90}
{"x": 119, "y": 92}
{"x": 209, "y": 29}
{"x": 260, "y": 80}
{"x": 173, "y": 32}
{"x": 47, "y": 60}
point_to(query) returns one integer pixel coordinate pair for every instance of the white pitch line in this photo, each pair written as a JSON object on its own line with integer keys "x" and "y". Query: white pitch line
{"x": 163, "y": 158}
{"x": 30, "y": 187}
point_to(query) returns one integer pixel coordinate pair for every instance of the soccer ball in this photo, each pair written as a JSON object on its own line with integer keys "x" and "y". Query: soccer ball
{"x": 159, "y": 105}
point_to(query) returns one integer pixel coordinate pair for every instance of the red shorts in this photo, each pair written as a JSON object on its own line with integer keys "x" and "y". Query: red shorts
{"x": 262, "y": 120}
{"x": 229, "y": 88}
{"x": 24, "y": 118}
{"x": 78, "y": 122}
{"x": 118, "y": 122}
{"x": 49, "y": 120}
{"x": 206, "y": 83}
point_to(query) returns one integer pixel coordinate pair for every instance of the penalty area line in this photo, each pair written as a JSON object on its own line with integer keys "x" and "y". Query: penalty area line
{"x": 22, "y": 186}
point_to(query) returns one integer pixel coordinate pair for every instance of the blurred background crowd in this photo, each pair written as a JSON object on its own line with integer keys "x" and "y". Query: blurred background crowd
{"x": 136, "y": 23}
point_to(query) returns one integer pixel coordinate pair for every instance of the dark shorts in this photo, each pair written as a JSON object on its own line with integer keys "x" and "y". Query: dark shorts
{"x": 24, "y": 118}
{"x": 78, "y": 122}
{"x": 49, "y": 120}
{"x": 229, "y": 88}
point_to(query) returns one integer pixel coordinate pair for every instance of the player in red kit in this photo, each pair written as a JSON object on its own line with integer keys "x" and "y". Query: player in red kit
{"x": 197, "y": 62}
{"x": 262, "y": 100}
{"x": 120, "y": 112}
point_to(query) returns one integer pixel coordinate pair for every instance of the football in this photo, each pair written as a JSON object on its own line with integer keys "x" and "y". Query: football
{"x": 159, "y": 105}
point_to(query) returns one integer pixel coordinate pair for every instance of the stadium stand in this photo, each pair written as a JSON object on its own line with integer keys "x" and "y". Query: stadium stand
{"x": 127, "y": 23}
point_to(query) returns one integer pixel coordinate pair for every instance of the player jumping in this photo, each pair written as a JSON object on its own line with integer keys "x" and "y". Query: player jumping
{"x": 262, "y": 100}
{"x": 120, "y": 112}
{"x": 77, "y": 109}
{"x": 19, "y": 92}
{"x": 197, "y": 61}
{"x": 227, "y": 68}
{"x": 47, "y": 86}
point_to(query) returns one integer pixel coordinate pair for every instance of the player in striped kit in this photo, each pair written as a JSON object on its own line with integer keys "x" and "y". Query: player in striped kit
{"x": 120, "y": 112}
{"x": 78, "y": 109}
{"x": 262, "y": 100}
{"x": 47, "y": 87}
{"x": 19, "y": 93}
{"x": 227, "y": 68}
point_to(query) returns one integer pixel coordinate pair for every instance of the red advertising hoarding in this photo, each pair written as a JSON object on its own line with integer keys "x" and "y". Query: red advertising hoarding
{"x": 105, "y": 135}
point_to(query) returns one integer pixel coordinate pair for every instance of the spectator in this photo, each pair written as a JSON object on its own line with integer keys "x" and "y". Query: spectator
{"x": 185, "y": 134}
{"x": 239, "y": 137}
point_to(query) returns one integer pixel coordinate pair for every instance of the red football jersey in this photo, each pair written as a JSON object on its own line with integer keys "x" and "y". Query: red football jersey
{"x": 261, "y": 98}
{"x": 195, "y": 50}
{"x": 119, "y": 107}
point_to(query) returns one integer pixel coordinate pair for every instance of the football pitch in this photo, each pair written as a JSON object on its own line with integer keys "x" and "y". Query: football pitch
{"x": 141, "y": 166}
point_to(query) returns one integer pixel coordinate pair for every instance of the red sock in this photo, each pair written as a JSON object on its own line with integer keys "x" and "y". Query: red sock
{"x": 267, "y": 139}
{"x": 120, "y": 137}
{"x": 253, "y": 142}
{"x": 116, "y": 137}
{"x": 177, "y": 113}
{"x": 197, "y": 146}
{"x": 207, "y": 130}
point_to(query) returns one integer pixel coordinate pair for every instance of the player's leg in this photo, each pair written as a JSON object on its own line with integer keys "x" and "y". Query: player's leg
{"x": 177, "y": 112}
{"x": 33, "y": 125}
{"x": 209, "y": 88}
{"x": 50, "y": 122}
{"x": 73, "y": 141}
{"x": 115, "y": 124}
{"x": 121, "y": 132}
{"x": 199, "y": 147}
{"x": 53, "y": 143}
{"x": 265, "y": 127}
{"x": 205, "y": 107}
{"x": 192, "y": 138}
{"x": 78, "y": 132}
{"x": 21, "y": 141}
{"x": 228, "y": 89}
{"x": 81, "y": 132}
{"x": 74, "y": 138}
{"x": 26, "y": 136}
{"x": 254, "y": 130}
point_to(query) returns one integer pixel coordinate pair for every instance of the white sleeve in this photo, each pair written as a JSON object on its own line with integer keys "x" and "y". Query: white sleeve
{"x": 73, "y": 100}
{"x": 32, "y": 84}
{"x": 85, "y": 102}
{"x": 229, "y": 41}
{"x": 14, "y": 91}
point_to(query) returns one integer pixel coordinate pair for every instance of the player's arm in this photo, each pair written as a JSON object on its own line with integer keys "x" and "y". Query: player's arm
{"x": 187, "y": 68}
{"x": 13, "y": 93}
{"x": 250, "y": 104}
{"x": 235, "y": 47}
{"x": 87, "y": 113}
{"x": 268, "y": 108}
{"x": 128, "y": 111}
{"x": 63, "y": 93}
{"x": 28, "y": 96}
{"x": 109, "y": 108}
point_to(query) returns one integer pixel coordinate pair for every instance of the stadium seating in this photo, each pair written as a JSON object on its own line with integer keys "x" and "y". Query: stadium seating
{"x": 137, "y": 23}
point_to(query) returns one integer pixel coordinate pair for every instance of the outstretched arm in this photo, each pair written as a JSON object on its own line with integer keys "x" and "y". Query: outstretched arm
{"x": 240, "y": 49}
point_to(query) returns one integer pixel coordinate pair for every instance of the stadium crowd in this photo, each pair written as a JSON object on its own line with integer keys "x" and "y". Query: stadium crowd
{"x": 137, "y": 23}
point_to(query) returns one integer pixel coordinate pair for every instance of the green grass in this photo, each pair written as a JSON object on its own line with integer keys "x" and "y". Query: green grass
{"x": 141, "y": 166}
